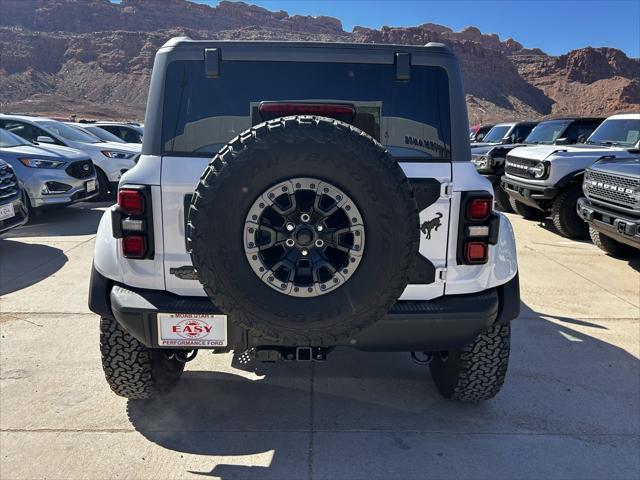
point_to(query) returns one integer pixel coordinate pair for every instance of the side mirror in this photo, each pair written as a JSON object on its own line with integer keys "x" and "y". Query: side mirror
{"x": 563, "y": 141}
{"x": 582, "y": 138}
{"x": 519, "y": 140}
{"x": 45, "y": 139}
{"x": 506, "y": 141}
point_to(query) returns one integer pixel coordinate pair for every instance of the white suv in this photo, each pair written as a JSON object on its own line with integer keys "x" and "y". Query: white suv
{"x": 546, "y": 180}
{"x": 111, "y": 159}
{"x": 279, "y": 209}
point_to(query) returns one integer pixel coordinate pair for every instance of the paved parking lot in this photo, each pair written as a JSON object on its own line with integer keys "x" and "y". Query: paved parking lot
{"x": 570, "y": 407}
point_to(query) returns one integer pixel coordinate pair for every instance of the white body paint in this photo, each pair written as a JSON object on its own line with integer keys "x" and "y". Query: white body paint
{"x": 170, "y": 247}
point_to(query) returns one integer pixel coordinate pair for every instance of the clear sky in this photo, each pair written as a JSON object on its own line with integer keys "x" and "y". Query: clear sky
{"x": 555, "y": 26}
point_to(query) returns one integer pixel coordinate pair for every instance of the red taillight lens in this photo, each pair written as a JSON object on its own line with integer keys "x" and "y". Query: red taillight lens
{"x": 131, "y": 201}
{"x": 134, "y": 246}
{"x": 325, "y": 110}
{"x": 476, "y": 252}
{"x": 479, "y": 209}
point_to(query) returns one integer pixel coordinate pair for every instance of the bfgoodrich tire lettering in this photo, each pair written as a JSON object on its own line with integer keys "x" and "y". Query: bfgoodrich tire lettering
{"x": 476, "y": 372}
{"x": 131, "y": 369}
{"x": 276, "y": 151}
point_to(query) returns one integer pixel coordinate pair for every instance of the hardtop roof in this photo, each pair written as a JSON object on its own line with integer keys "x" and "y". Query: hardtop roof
{"x": 186, "y": 42}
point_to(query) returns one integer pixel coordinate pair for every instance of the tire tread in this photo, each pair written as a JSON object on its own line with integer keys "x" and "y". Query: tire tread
{"x": 132, "y": 370}
{"x": 304, "y": 129}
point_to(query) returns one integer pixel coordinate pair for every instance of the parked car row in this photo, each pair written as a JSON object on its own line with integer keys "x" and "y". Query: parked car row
{"x": 543, "y": 175}
{"x": 53, "y": 164}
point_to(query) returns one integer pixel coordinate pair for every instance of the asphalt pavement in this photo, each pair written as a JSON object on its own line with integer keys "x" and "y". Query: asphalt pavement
{"x": 570, "y": 407}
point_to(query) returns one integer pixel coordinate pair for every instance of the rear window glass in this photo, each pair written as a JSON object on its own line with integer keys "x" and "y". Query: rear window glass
{"x": 201, "y": 114}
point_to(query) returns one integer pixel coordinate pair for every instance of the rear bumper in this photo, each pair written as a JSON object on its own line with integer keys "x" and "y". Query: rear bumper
{"x": 527, "y": 193}
{"x": 619, "y": 226}
{"x": 440, "y": 324}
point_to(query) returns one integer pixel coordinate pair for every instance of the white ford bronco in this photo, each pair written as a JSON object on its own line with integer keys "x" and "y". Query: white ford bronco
{"x": 546, "y": 180}
{"x": 292, "y": 198}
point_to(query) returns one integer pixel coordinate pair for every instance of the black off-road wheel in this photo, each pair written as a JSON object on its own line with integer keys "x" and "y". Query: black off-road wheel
{"x": 502, "y": 199}
{"x": 611, "y": 246}
{"x": 476, "y": 372}
{"x": 525, "y": 211}
{"x": 565, "y": 215}
{"x": 133, "y": 370}
{"x": 303, "y": 230}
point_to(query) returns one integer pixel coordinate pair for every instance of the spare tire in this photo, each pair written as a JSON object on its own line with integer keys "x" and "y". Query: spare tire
{"x": 303, "y": 230}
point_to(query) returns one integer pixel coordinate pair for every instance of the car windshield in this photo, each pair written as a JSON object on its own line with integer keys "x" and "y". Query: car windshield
{"x": 547, "y": 132}
{"x": 616, "y": 132}
{"x": 70, "y": 133}
{"x": 8, "y": 139}
{"x": 496, "y": 134}
{"x": 103, "y": 134}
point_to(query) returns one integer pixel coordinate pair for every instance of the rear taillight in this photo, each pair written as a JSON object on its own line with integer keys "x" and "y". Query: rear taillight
{"x": 131, "y": 201}
{"x": 479, "y": 209}
{"x": 478, "y": 228}
{"x": 476, "y": 252}
{"x": 134, "y": 246}
{"x": 339, "y": 111}
{"x": 132, "y": 221}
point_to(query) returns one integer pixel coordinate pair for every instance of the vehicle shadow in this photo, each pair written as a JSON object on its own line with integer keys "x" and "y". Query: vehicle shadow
{"x": 24, "y": 264}
{"x": 548, "y": 225}
{"x": 78, "y": 219}
{"x": 633, "y": 261}
{"x": 377, "y": 415}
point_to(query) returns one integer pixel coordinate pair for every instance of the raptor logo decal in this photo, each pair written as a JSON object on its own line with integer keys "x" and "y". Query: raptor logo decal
{"x": 430, "y": 225}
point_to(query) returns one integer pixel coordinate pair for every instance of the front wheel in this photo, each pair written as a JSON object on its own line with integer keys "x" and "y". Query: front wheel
{"x": 103, "y": 185}
{"x": 477, "y": 371}
{"x": 565, "y": 216}
{"x": 610, "y": 246}
{"x": 502, "y": 199}
{"x": 525, "y": 211}
{"x": 133, "y": 370}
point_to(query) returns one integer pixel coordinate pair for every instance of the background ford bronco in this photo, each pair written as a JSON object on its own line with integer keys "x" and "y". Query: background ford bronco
{"x": 611, "y": 205}
{"x": 277, "y": 209}
{"x": 546, "y": 180}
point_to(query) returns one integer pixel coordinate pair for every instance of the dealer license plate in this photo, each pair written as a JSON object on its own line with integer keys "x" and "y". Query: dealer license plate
{"x": 6, "y": 211}
{"x": 192, "y": 330}
{"x": 91, "y": 185}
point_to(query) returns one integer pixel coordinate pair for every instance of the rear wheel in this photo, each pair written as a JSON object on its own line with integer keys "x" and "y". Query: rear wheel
{"x": 611, "y": 246}
{"x": 132, "y": 370}
{"x": 525, "y": 211}
{"x": 502, "y": 199}
{"x": 565, "y": 215}
{"x": 477, "y": 371}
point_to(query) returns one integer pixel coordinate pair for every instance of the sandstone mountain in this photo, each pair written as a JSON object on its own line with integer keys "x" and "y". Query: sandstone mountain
{"x": 93, "y": 58}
